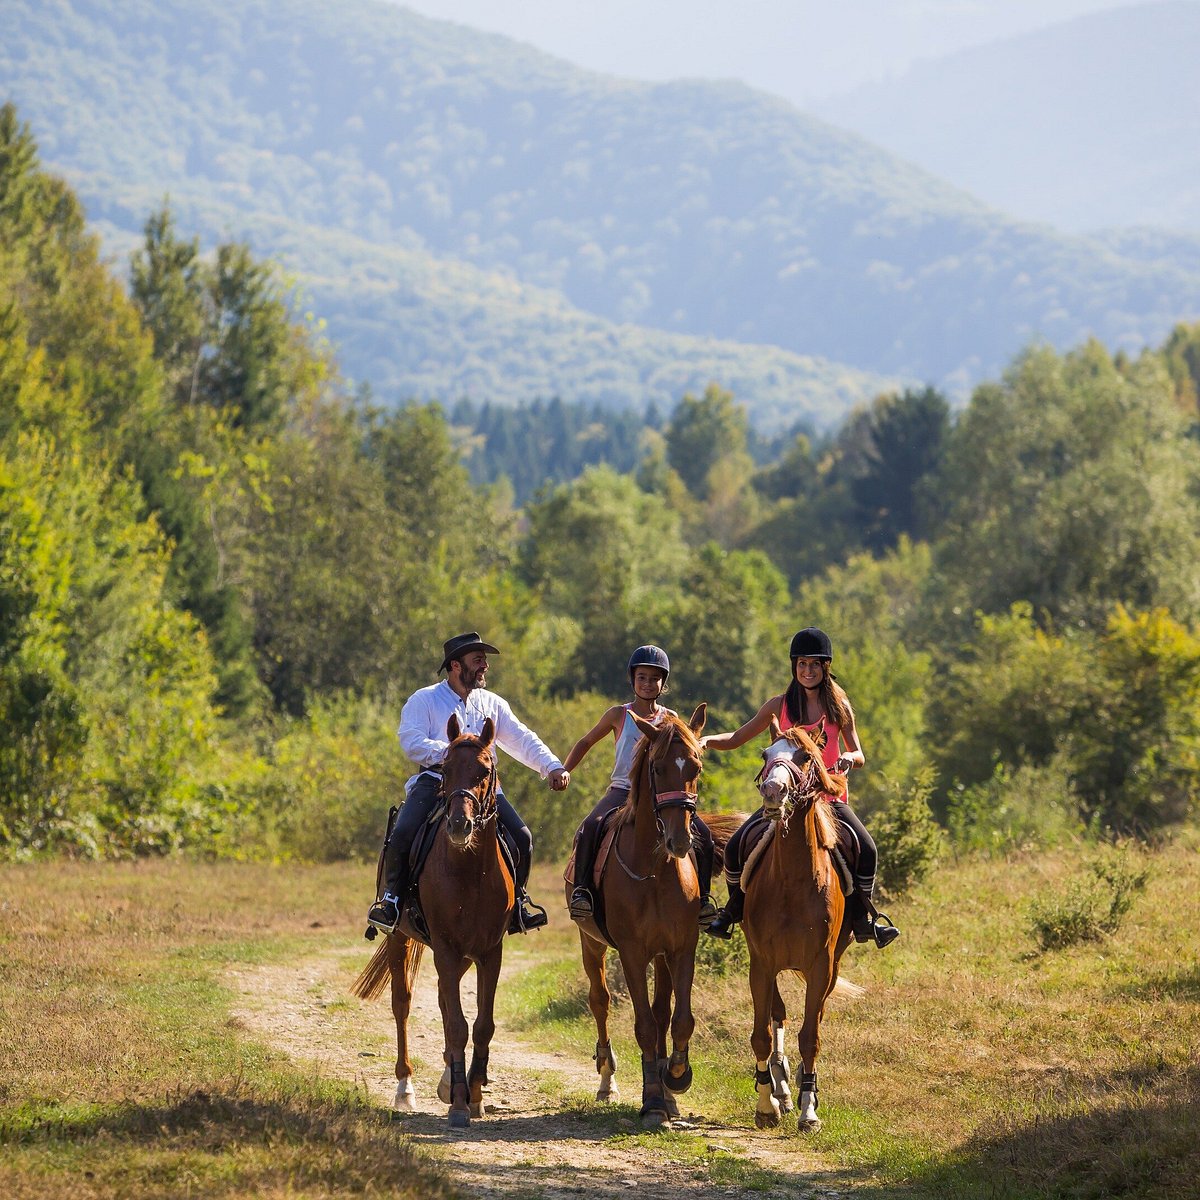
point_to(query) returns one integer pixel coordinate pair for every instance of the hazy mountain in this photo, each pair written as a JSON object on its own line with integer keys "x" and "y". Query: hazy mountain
{"x": 1089, "y": 123}
{"x": 470, "y": 213}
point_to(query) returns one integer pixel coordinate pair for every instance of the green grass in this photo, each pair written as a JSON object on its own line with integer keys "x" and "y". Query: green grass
{"x": 125, "y": 1075}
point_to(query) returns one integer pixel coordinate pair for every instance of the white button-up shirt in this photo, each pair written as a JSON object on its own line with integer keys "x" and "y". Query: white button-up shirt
{"x": 426, "y": 713}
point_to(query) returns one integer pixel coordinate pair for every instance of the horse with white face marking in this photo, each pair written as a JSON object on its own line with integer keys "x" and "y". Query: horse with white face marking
{"x": 793, "y": 919}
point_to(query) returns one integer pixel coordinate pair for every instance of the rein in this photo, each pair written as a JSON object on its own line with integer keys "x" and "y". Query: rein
{"x": 680, "y": 798}
{"x": 799, "y": 792}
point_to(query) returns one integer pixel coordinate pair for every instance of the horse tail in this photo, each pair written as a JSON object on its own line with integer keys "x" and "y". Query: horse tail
{"x": 723, "y": 826}
{"x": 375, "y": 975}
{"x": 842, "y": 988}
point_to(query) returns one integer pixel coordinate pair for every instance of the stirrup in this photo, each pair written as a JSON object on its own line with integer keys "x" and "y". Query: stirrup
{"x": 708, "y": 910}
{"x": 526, "y": 915}
{"x": 722, "y": 927}
{"x": 580, "y": 905}
{"x": 886, "y": 934}
{"x": 384, "y": 914}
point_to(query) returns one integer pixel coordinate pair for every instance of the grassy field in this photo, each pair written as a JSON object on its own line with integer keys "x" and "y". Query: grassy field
{"x": 976, "y": 1065}
{"x": 122, "y": 1073}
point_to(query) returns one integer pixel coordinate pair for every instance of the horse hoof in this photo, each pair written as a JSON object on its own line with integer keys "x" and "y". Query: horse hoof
{"x": 405, "y": 1104}
{"x": 459, "y": 1119}
{"x": 766, "y": 1120}
{"x": 654, "y": 1119}
{"x": 477, "y": 1109}
{"x": 608, "y": 1097}
{"x": 812, "y": 1125}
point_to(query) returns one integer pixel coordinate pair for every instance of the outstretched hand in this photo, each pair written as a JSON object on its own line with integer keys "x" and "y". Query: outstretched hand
{"x": 559, "y": 778}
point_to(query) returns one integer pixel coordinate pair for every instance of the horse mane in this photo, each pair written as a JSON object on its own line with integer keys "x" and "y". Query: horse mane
{"x": 667, "y": 728}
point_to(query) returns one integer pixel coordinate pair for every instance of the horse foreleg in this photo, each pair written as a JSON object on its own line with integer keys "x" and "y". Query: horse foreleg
{"x": 452, "y": 1089}
{"x": 678, "y": 1074}
{"x": 398, "y": 951}
{"x": 599, "y": 998}
{"x": 660, "y": 1006}
{"x": 655, "y": 1109}
{"x": 818, "y": 986}
{"x": 487, "y": 975}
{"x": 762, "y": 988}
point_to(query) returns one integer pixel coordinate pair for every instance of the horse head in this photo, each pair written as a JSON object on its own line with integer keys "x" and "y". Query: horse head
{"x": 672, "y": 755}
{"x": 793, "y": 773}
{"x": 468, "y": 782}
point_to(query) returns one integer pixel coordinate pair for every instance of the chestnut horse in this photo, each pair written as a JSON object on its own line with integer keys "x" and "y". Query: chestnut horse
{"x": 466, "y": 894}
{"x": 793, "y": 919}
{"x": 651, "y": 901}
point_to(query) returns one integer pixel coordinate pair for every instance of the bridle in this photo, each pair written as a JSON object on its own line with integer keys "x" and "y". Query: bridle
{"x": 676, "y": 798}
{"x": 486, "y": 806}
{"x": 801, "y": 789}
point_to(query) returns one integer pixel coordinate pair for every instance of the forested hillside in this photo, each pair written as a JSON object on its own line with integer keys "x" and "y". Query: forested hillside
{"x": 467, "y": 212}
{"x": 220, "y": 574}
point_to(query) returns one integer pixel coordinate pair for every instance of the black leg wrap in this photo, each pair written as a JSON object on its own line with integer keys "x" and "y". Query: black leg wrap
{"x": 762, "y": 1078}
{"x": 678, "y": 1083}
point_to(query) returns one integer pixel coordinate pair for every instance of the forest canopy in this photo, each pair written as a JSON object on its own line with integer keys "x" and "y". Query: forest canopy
{"x": 222, "y": 569}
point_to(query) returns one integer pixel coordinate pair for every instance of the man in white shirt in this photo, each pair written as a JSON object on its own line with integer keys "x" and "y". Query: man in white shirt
{"x": 423, "y": 739}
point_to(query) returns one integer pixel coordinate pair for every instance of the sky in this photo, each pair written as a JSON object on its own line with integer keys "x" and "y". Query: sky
{"x": 803, "y": 50}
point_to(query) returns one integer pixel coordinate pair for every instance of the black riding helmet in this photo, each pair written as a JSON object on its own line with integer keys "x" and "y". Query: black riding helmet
{"x": 812, "y": 643}
{"x": 649, "y": 656}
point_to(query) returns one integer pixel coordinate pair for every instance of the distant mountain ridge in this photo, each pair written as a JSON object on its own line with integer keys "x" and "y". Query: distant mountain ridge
{"x": 1090, "y": 123}
{"x": 555, "y": 202}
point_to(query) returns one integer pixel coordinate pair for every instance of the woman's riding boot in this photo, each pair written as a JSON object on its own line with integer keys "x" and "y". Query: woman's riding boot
{"x": 730, "y": 915}
{"x": 866, "y": 922}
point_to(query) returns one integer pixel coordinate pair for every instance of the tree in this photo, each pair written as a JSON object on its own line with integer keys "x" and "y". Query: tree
{"x": 701, "y": 432}
{"x": 1071, "y": 486}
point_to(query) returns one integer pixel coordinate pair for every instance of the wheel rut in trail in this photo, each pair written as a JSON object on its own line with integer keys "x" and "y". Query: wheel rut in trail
{"x": 540, "y": 1137}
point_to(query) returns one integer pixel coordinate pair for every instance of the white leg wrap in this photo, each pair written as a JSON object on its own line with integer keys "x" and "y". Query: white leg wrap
{"x": 406, "y": 1096}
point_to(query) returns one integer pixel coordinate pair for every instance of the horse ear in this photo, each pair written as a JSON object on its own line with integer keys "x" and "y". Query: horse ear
{"x": 697, "y": 721}
{"x": 452, "y": 727}
{"x": 488, "y": 734}
{"x": 776, "y": 732}
{"x": 646, "y": 728}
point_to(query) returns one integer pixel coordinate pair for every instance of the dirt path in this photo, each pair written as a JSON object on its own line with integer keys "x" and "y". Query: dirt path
{"x": 541, "y": 1137}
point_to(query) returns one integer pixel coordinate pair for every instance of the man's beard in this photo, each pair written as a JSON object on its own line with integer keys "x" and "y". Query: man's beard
{"x": 471, "y": 679}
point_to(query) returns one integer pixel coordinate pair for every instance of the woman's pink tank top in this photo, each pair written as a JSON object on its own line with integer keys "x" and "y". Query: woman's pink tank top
{"x": 826, "y": 734}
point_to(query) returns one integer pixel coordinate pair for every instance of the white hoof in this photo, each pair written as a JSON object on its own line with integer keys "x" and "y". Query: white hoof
{"x": 406, "y": 1097}
{"x": 443, "y": 1091}
{"x": 766, "y": 1115}
{"x": 608, "y": 1094}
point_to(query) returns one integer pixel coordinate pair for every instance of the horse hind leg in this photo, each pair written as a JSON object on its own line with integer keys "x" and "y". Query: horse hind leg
{"x": 403, "y": 959}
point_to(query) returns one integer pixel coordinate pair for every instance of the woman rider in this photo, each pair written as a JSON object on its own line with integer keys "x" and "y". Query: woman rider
{"x": 816, "y": 703}
{"x": 648, "y": 671}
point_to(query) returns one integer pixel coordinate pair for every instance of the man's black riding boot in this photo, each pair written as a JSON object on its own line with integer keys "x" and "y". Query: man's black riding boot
{"x": 384, "y": 914}
{"x": 525, "y": 914}
{"x": 730, "y": 915}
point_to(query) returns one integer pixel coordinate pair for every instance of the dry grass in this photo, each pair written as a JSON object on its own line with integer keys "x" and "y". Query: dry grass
{"x": 977, "y": 1064}
{"x": 122, "y": 1074}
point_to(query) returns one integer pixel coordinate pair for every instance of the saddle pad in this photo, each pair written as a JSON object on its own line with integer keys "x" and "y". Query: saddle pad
{"x": 844, "y": 855}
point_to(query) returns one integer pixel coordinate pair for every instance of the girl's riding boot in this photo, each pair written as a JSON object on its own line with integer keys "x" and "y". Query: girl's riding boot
{"x": 730, "y": 915}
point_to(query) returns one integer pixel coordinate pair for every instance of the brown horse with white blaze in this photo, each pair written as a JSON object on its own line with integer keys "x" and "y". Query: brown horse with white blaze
{"x": 793, "y": 919}
{"x": 651, "y": 903}
{"x": 466, "y": 895}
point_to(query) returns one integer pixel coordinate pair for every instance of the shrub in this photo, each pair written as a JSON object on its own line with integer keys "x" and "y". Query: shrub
{"x": 1019, "y": 806}
{"x": 910, "y": 840}
{"x": 1092, "y": 906}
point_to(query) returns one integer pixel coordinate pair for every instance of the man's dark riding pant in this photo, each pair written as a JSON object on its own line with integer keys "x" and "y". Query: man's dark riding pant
{"x": 414, "y": 812}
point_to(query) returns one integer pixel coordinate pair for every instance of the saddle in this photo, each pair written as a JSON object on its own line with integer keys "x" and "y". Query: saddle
{"x": 760, "y": 831}
{"x": 595, "y": 924}
{"x": 418, "y": 854}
